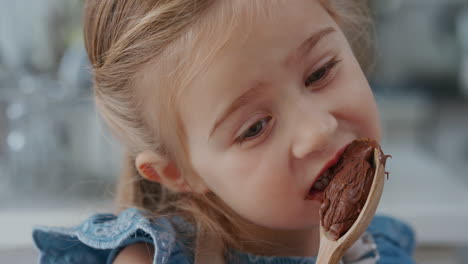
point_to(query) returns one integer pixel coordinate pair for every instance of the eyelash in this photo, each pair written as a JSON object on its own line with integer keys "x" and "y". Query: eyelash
{"x": 241, "y": 139}
{"x": 328, "y": 67}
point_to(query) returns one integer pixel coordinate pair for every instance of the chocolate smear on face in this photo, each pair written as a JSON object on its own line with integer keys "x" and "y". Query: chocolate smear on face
{"x": 345, "y": 196}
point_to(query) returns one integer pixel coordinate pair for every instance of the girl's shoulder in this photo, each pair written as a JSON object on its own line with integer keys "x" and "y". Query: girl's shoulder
{"x": 101, "y": 237}
{"x": 386, "y": 241}
{"x": 394, "y": 239}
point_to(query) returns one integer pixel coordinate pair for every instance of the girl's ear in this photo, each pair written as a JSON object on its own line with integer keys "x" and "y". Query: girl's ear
{"x": 154, "y": 167}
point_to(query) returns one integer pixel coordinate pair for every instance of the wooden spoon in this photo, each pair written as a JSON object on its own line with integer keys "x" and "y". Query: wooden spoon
{"x": 331, "y": 251}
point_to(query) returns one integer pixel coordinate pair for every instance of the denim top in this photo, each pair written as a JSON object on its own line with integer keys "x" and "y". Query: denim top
{"x": 100, "y": 238}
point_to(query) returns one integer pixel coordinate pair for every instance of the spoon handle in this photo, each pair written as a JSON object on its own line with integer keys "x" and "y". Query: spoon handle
{"x": 329, "y": 254}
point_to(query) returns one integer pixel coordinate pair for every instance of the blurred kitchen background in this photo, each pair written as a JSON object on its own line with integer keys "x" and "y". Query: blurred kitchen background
{"x": 58, "y": 163}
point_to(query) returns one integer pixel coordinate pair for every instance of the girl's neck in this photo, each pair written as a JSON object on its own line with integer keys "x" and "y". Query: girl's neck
{"x": 209, "y": 249}
{"x": 300, "y": 243}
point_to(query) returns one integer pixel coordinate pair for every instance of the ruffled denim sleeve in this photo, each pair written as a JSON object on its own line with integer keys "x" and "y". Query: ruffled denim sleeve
{"x": 395, "y": 240}
{"x": 101, "y": 237}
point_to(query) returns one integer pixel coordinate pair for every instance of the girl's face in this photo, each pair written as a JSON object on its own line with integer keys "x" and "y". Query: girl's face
{"x": 272, "y": 110}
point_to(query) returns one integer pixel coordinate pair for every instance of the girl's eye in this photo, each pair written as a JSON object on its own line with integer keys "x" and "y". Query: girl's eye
{"x": 255, "y": 130}
{"x": 321, "y": 73}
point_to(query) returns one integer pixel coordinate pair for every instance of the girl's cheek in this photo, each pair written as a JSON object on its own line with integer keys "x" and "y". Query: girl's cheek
{"x": 353, "y": 99}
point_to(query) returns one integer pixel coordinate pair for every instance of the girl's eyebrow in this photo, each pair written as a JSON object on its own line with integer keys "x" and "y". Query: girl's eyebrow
{"x": 239, "y": 102}
{"x": 308, "y": 44}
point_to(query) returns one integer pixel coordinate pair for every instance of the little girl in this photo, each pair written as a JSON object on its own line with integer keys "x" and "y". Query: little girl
{"x": 229, "y": 111}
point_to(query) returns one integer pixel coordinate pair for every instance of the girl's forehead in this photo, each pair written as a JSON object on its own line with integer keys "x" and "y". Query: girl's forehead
{"x": 230, "y": 26}
{"x": 233, "y": 28}
{"x": 234, "y": 24}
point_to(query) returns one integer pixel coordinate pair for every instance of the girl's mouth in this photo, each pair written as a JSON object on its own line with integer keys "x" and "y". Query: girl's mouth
{"x": 316, "y": 191}
{"x": 325, "y": 177}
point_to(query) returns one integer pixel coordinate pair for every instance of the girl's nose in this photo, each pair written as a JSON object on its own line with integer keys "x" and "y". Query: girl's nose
{"x": 313, "y": 133}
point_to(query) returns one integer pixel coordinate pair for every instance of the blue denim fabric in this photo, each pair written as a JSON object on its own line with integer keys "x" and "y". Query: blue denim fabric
{"x": 395, "y": 240}
{"x": 100, "y": 238}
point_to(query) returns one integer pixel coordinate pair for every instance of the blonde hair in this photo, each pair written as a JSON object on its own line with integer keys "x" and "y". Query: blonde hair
{"x": 124, "y": 38}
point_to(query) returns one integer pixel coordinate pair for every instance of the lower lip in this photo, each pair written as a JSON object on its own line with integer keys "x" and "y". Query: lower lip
{"x": 316, "y": 196}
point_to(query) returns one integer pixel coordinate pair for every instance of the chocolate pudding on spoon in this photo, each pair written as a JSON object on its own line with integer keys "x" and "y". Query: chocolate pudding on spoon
{"x": 344, "y": 186}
